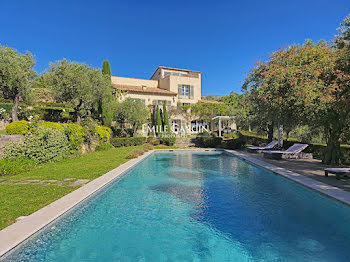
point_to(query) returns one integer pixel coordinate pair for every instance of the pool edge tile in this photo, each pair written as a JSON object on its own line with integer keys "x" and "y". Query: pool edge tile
{"x": 332, "y": 192}
{"x": 15, "y": 234}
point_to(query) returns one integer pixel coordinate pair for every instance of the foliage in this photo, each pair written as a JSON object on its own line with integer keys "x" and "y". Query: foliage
{"x": 205, "y": 140}
{"x": 128, "y": 141}
{"x": 39, "y": 83}
{"x": 78, "y": 85}
{"x": 304, "y": 85}
{"x": 343, "y": 39}
{"x": 168, "y": 139}
{"x": 166, "y": 119}
{"x": 147, "y": 147}
{"x": 135, "y": 153}
{"x": 103, "y": 146}
{"x": 104, "y": 133}
{"x": 236, "y": 143}
{"x": 17, "y": 127}
{"x": 41, "y": 145}
{"x": 15, "y": 166}
{"x": 106, "y": 69}
{"x": 51, "y": 125}
{"x": 207, "y": 111}
{"x": 159, "y": 121}
{"x": 16, "y": 74}
{"x": 75, "y": 135}
{"x": 133, "y": 112}
{"x": 154, "y": 141}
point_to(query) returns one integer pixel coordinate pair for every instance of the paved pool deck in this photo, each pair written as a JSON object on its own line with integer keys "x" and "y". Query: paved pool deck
{"x": 312, "y": 168}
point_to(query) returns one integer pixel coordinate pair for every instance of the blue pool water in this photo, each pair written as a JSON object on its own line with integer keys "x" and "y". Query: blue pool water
{"x": 191, "y": 206}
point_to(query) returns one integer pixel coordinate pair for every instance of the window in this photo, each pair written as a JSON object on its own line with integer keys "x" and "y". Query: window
{"x": 185, "y": 91}
{"x": 162, "y": 102}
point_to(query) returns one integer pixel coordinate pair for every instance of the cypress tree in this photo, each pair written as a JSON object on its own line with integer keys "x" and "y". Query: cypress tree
{"x": 166, "y": 119}
{"x": 159, "y": 121}
{"x": 107, "y": 99}
{"x": 106, "y": 69}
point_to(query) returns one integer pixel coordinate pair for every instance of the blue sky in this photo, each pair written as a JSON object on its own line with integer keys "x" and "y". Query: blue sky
{"x": 222, "y": 39}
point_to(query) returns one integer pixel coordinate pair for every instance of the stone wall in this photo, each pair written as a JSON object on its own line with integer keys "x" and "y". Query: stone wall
{"x": 5, "y": 139}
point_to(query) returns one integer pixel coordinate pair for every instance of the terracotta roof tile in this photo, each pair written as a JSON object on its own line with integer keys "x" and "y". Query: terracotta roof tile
{"x": 144, "y": 89}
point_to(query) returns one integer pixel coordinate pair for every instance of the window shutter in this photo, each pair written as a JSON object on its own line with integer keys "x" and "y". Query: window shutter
{"x": 191, "y": 92}
{"x": 179, "y": 92}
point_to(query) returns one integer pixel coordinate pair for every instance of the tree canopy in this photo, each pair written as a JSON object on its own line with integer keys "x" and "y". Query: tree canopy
{"x": 16, "y": 74}
{"x": 78, "y": 85}
{"x": 303, "y": 85}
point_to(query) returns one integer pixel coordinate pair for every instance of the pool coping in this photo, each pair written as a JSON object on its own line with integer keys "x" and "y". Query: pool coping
{"x": 332, "y": 192}
{"x": 17, "y": 233}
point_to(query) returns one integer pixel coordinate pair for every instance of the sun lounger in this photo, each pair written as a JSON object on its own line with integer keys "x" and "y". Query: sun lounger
{"x": 293, "y": 152}
{"x": 258, "y": 149}
{"x": 339, "y": 172}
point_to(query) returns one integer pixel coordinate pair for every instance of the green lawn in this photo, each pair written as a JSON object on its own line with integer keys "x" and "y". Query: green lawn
{"x": 22, "y": 200}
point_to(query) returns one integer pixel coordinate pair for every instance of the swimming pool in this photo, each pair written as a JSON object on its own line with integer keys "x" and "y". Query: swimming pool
{"x": 196, "y": 206}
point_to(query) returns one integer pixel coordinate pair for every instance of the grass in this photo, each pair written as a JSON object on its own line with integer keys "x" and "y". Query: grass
{"x": 88, "y": 166}
{"x": 165, "y": 147}
{"x": 22, "y": 200}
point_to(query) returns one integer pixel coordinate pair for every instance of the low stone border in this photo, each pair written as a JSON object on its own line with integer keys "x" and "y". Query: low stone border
{"x": 15, "y": 234}
{"x": 322, "y": 188}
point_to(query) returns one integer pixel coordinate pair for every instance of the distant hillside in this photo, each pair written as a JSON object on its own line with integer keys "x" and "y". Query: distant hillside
{"x": 211, "y": 97}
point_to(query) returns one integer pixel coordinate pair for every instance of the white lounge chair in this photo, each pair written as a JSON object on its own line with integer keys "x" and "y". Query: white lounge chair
{"x": 292, "y": 152}
{"x": 339, "y": 171}
{"x": 270, "y": 145}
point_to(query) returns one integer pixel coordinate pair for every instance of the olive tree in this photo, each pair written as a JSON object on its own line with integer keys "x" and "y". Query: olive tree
{"x": 78, "y": 85}
{"x": 16, "y": 74}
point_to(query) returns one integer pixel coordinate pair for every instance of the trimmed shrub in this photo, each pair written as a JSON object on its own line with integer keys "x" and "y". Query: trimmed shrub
{"x": 15, "y": 166}
{"x": 75, "y": 135}
{"x": 127, "y": 141}
{"x": 17, "y": 128}
{"x": 104, "y": 133}
{"x": 41, "y": 145}
{"x": 153, "y": 141}
{"x": 103, "y": 147}
{"x": 134, "y": 153}
{"x": 167, "y": 139}
{"x": 233, "y": 143}
{"x": 208, "y": 141}
{"x": 51, "y": 125}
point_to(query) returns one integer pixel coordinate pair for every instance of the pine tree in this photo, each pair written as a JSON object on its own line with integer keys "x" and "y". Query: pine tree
{"x": 166, "y": 119}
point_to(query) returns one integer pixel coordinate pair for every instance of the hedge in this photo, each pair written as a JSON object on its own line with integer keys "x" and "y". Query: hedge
{"x": 17, "y": 128}
{"x": 127, "y": 141}
{"x": 208, "y": 141}
{"x": 46, "y": 113}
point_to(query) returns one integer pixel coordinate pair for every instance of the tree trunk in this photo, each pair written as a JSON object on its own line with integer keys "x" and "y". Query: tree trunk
{"x": 333, "y": 153}
{"x": 15, "y": 108}
{"x": 270, "y": 132}
{"x": 77, "y": 112}
{"x": 280, "y": 135}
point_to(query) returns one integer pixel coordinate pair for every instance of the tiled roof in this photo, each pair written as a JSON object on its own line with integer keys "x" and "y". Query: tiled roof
{"x": 210, "y": 101}
{"x": 144, "y": 89}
